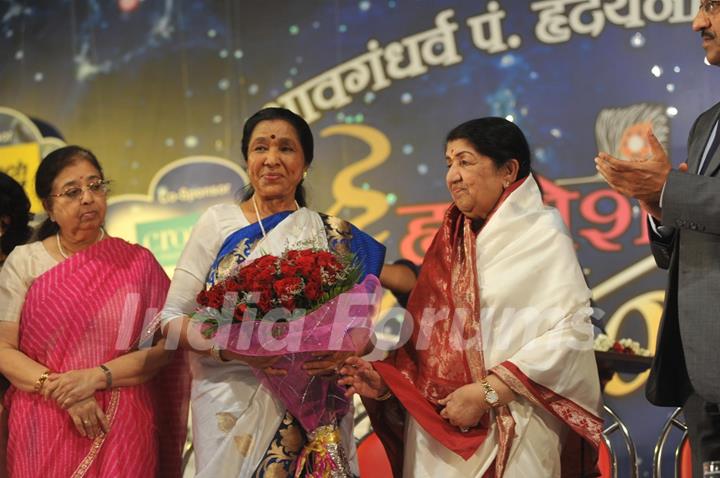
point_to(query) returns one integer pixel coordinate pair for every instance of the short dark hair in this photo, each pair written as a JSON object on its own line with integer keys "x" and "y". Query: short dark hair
{"x": 497, "y": 138}
{"x": 49, "y": 169}
{"x": 15, "y": 206}
{"x": 301, "y": 128}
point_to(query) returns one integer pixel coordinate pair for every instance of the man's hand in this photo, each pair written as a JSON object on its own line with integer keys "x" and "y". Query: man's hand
{"x": 640, "y": 179}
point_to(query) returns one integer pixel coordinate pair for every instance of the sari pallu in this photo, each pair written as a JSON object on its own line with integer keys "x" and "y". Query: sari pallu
{"x": 521, "y": 259}
{"x": 87, "y": 310}
{"x": 239, "y": 428}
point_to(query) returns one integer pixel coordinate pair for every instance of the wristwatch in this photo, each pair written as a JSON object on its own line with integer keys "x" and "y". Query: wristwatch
{"x": 491, "y": 396}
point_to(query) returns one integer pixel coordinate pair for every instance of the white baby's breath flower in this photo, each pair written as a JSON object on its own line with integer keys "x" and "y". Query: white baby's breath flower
{"x": 603, "y": 343}
{"x": 634, "y": 346}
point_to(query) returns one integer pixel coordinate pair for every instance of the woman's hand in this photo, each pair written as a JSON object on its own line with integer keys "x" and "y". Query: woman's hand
{"x": 89, "y": 419}
{"x": 465, "y": 406}
{"x": 360, "y": 377}
{"x": 263, "y": 363}
{"x": 70, "y": 387}
{"x": 326, "y": 363}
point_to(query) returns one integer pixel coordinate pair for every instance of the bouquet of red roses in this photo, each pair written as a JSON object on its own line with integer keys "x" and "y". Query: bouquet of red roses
{"x": 293, "y": 306}
{"x": 298, "y": 280}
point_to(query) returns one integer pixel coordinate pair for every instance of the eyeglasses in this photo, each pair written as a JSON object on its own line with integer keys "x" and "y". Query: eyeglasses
{"x": 98, "y": 188}
{"x": 710, "y": 7}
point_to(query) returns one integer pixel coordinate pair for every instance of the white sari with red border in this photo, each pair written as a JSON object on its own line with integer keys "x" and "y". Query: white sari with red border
{"x": 534, "y": 321}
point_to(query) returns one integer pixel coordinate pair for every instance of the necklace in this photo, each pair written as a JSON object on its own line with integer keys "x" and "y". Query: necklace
{"x": 257, "y": 215}
{"x": 62, "y": 251}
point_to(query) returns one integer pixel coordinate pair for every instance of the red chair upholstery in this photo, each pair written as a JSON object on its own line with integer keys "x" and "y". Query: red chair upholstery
{"x": 372, "y": 458}
{"x": 605, "y": 461}
{"x": 683, "y": 461}
{"x": 607, "y": 458}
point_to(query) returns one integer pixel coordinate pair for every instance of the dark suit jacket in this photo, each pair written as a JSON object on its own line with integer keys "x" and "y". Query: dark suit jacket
{"x": 688, "y": 349}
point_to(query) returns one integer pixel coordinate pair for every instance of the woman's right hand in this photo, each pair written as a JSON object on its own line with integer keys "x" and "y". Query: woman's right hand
{"x": 360, "y": 377}
{"x": 263, "y": 363}
{"x": 70, "y": 387}
{"x": 89, "y": 418}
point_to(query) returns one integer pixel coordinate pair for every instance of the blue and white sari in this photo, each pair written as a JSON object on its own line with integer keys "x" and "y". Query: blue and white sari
{"x": 249, "y": 432}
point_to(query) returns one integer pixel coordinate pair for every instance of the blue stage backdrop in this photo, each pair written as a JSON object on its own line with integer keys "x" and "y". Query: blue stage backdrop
{"x": 159, "y": 89}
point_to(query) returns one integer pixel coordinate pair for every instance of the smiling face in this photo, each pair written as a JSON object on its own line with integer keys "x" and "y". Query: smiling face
{"x": 473, "y": 180}
{"x": 276, "y": 162}
{"x": 708, "y": 25}
{"x": 85, "y": 213}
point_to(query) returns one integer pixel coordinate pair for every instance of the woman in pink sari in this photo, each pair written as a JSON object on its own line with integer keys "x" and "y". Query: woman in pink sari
{"x": 88, "y": 397}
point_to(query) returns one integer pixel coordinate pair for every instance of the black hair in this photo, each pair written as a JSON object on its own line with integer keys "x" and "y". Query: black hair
{"x": 15, "y": 207}
{"x": 49, "y": 169}
{"x": 497, "y": 138}
{"x": 301, "y": 128}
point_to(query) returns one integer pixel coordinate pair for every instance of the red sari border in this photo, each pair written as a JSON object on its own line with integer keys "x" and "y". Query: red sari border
{"x": 582, "y": 422}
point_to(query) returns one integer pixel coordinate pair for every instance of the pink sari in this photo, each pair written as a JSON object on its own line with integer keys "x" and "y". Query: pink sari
{"x": 86, "y": 311}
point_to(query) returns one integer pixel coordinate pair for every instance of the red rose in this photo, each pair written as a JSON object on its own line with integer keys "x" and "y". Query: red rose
{"x": 265, "y": 262}
{"x": 262, "y": 280}
{"x": 288, "y": 269}
{"x": 239, "y": 313}
{"x": 325, "y": 259}
{"x": 215, "y": 302}
{"x": 312, "y": 290}
{"x": 232, "y": 285}
{"x": 202, "y": 298}
{"x": 288, "y": 286}
{"x": 306, "y": 265}
{"x": 288, "y": 303}
{"x": 292, "y": 255}
{"x": 265, "y": 303}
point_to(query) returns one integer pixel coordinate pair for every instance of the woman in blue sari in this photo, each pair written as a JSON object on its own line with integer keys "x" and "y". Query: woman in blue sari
{"x": 239, "y": 429}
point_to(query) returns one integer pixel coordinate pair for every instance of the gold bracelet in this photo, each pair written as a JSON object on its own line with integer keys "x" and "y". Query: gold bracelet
{"x": 215, "y": 354}
{"x": 41, "y": 381}
{"x": 385, "y": 396}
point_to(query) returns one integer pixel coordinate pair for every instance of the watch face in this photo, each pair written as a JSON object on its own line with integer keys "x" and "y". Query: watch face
{"x": 491, "y": 397}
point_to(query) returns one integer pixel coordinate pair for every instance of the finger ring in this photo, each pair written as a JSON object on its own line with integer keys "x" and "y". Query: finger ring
{"x": 464, "y": 429}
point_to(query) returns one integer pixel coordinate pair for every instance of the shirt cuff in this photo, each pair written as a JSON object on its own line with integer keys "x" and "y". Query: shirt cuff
{"x": 662, "y": 194}
{"x": 654, "y": 226}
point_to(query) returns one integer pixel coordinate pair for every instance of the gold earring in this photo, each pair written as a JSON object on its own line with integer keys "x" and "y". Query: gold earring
{"x": 304, "y": 174}
{"x": 506, "y": 184}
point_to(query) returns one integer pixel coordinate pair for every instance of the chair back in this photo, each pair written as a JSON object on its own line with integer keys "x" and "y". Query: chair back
{"x": 372, "y": 459}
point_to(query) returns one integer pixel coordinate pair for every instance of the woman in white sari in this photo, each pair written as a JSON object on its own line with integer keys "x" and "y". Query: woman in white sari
{"x": 239, "y": 428}
{"x": 498, "y": 378}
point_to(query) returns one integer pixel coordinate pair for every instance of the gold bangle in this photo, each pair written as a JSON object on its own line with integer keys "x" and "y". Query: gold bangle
{"x": 385, "y": 396}
{"x": 215, "y": 354}
{"x": 41, "y": 381}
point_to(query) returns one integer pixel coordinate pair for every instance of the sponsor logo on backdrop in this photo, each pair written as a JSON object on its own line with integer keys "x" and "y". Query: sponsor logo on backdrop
{"x": 178, "y": 194}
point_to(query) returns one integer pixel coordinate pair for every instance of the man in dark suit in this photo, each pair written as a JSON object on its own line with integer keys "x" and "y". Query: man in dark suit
{"x": 684, "y": 206}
